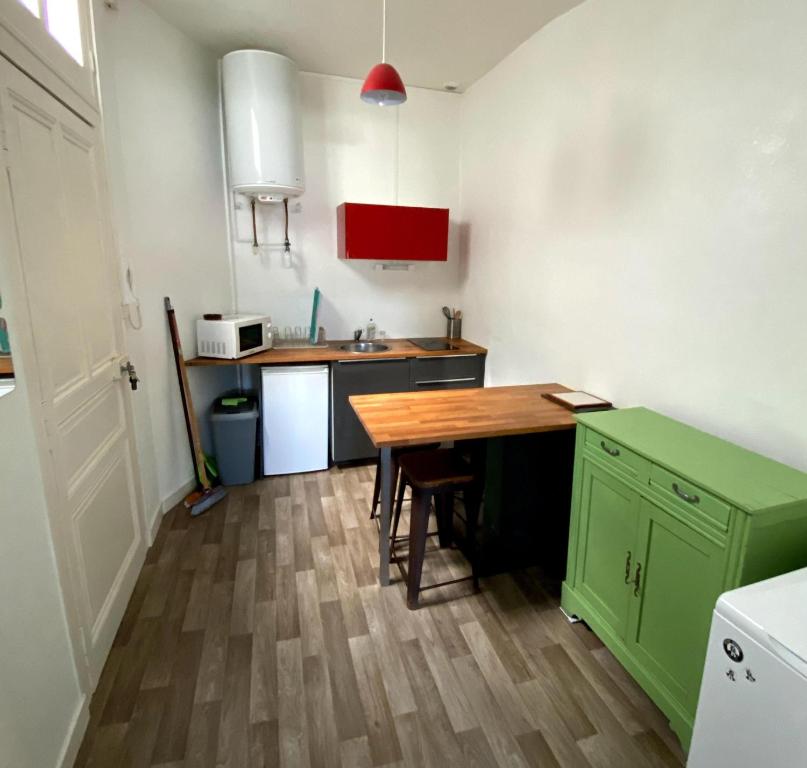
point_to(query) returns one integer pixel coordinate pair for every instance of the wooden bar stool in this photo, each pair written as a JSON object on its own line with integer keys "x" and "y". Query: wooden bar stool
{"x": 396, "y": 456}
{"x": 437, "y": 474}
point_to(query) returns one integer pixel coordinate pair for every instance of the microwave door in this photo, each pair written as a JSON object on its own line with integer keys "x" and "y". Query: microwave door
{"x": 250, "y": 337}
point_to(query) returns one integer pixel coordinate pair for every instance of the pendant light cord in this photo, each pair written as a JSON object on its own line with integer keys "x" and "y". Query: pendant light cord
{"x": 384, "y": 32}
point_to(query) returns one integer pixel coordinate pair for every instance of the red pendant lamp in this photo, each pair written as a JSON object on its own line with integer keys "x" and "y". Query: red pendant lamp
{"x": 383, "y": 85}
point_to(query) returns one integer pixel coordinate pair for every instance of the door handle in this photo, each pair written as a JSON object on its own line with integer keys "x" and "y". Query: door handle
{"x": 128, "y": 369}
{"x": 627, "y": 568}
{"x": 637, "y": 581}
{"x": 609, "y": 451}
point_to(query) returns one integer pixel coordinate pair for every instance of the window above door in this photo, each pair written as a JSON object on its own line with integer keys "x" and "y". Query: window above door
{"x": 50, "y": 41}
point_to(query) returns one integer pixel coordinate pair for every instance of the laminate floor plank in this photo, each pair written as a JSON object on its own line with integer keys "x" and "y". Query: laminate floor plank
{"x": 199, "y": 599}
{"x": 303, "y": 559}
{"x": 210, "y": 681}
{"x": 438, "y": 739}
{"x": 257, "y": 636}
{"x": 173, "y": 733}
{"x": 312, "y": 633}
{"x": 323, "y": 742}
{"x": 348, "y": 590}
{"x": 292, "y": 723}
{"x": 158, "y": 670}
{"x": 519, "y": 717}
{"x": 383, "y": 741}
{"x": 141, "y": 735}
{"x": 203, "y": 735}
{"x": 324, "y": 566}
{"x": 344, "y": 686}
{"x": 243, "y": 613}
{"x": 233, "y": 739}
{"x": 248, "y": 537}
{"x": 393, "y": 672}
{"x": 263, "y": 687}
{"x": 355, "y": 753}
{"x": 264, "y": 749}
{"x": 265, "y": 566}
{"x": 492, "y": 719}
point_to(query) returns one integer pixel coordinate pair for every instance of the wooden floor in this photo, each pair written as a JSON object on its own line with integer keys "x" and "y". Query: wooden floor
{"x": 257, "y": 636}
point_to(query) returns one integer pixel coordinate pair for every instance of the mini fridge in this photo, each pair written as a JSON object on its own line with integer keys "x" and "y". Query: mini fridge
{"x": 294, "y": 410}
{"x": 752, "y": 711}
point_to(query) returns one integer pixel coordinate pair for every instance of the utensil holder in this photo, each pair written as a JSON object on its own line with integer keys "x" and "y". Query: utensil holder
{"x": 454, "y": 328}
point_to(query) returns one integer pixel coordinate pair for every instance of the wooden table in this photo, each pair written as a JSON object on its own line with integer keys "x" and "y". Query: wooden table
{"x": 417, "y": 418}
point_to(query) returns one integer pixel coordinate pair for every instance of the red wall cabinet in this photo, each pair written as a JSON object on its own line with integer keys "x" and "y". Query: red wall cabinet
{"x": 391, "y": 232}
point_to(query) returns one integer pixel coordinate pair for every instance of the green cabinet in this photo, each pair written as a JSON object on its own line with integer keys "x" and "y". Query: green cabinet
{"x": 609, "y": 522}
{"x": 664, "y": 519}
{"x": 680, "y": 575}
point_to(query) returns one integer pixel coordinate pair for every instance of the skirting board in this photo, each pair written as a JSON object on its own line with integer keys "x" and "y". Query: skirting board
{"x": 178, "y": 495}
{"x": 154, "y": 525}
{"x": 75, "y": 734}
{"x": 170, "y": 501}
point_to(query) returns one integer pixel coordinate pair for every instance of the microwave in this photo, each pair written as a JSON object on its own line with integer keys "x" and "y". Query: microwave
{"x": 233, "y": 336}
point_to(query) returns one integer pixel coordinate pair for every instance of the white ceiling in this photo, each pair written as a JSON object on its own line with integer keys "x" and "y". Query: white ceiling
{"x": 431, "y": 42}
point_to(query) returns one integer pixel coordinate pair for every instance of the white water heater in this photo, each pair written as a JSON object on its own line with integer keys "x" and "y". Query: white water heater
{"x": 262, "y": 125}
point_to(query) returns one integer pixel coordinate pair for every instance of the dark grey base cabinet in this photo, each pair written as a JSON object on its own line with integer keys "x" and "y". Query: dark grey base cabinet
{"x": 349, "y": 441}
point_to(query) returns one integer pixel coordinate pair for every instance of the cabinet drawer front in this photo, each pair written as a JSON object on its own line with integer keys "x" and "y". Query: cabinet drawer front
{"x": 460, "y": 383}
{"x": 449, "y": 368}
{"x": 615, "y": 454}
{"x": 690, "y": 497}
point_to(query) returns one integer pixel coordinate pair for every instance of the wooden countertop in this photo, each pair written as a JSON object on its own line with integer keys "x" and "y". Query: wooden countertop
{"x": 415, "y": 418}
{"x": 397, "y": 348}
{"x": 6, "y": 367}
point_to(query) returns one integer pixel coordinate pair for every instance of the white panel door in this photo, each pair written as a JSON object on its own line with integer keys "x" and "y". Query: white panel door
{"x": 55, "y": 178}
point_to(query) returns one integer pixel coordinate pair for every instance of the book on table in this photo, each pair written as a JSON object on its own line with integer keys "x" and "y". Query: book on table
{"x": 578, "y": 402}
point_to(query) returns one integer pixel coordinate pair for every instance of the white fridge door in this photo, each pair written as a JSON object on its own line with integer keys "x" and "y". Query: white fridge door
{"x": 752, "y": 711}
{"x": 295, "y": 419}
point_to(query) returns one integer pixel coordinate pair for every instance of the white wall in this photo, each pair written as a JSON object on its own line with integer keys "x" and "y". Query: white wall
{"x": 160, "y": 105}
{"x": 356, "y": 152}
{"x": 633, "y": 190}
{"x": 41, "y": 703}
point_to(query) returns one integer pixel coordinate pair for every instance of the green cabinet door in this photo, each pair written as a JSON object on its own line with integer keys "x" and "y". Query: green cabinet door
{"x": 607, "y": 543}
{"x": 682, "y": 574}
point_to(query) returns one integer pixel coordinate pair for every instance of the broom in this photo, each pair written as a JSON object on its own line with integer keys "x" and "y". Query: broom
{"x": 205, "y": 496}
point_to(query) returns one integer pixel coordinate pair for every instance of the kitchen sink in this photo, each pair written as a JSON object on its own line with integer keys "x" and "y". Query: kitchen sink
{"x": 365, "y": 347}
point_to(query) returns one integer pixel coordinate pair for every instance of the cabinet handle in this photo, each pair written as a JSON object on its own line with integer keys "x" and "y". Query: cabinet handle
{"x": 637, "y": 581}
{"x": 445, "y": 357}
{"x": 627, "y": 568}
{"x": 371, "y": 360}
{"x": 443, "y": 381}
{"x": 609, "y": 451}
{"x": 690, "y": 498}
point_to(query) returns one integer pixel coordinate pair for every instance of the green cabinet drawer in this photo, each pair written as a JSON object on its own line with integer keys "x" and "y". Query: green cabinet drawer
{"x": 691, "y": 498}
{"x": 616, "y": 455}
